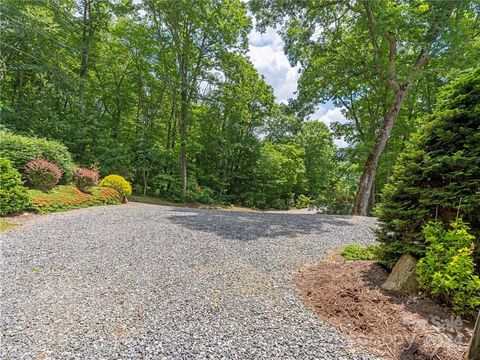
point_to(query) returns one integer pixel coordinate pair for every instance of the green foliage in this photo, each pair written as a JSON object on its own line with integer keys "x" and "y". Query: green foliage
{"x": 339, "y": 191}
{"x": 136, "y": 112}
{"x": 118, "y": 183}
{"x": 359, "y": 252}
{"x": 5, "y": 225}
{"x": 448, "y": 271}
{"x": 13, "y": 195}
{"x": 303, "y": 202}
{"x": 21, "y": 149}
{"x": 437, "y": 175}
{"x": 280, "y": 172}
{"x": 319, "y": 150}
{"x": 154, "y": 87}
{"x": 359, "y": 54}
{"x": 67, "y": 197}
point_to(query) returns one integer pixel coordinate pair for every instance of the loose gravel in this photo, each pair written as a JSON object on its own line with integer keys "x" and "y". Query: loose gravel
{"x": 144, "y": 281}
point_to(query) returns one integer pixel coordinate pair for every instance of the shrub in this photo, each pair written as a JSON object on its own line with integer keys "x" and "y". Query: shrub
{"x": 447, "y": 270}
{"x": 206, "y": 196}
{"x": 118, "y": 183}
{"x": 303, "y": 201}
{"x": 279, "y": 204}
{"x": 66, "y": 197}
{"x": 85, "y": 178}
{"x": 42, "y": 174}
{"x": 13, "y": 195}
{"x": 437, "y": 175}
{"x": 21, "y": 149}
{"x": 359, "y": 252}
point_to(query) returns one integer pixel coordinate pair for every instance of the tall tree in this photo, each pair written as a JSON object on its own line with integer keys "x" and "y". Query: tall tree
{"x": 196, "y": 34}
{"x": 350, "y": 50}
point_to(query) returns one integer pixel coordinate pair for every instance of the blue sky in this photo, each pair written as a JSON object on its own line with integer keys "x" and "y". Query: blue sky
{"x": 266, "y": 54}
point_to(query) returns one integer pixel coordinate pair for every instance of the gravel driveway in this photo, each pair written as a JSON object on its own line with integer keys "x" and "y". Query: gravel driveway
{"x": 147, "y": 281}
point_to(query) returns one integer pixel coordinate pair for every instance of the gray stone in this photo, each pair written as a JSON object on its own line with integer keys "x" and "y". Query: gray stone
{"x": 141, "y": 281}
{"x": 403, "y": 277}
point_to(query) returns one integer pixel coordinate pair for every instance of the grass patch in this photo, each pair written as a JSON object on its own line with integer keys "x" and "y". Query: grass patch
{"x": 67, "y": 197}
{"x": 5, "y": 225}
{"x": 359, "y": 252}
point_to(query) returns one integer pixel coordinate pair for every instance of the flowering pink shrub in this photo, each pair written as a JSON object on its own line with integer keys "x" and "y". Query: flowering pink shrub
{"x": 85, "y": 178}
{"x": 42, "y": 174}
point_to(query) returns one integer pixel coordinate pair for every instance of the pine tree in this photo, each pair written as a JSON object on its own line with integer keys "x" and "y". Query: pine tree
{"x": 438, "y": 175}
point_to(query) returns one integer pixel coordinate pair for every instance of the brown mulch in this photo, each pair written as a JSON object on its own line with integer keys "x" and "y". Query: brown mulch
{"x": 347, "y": 294}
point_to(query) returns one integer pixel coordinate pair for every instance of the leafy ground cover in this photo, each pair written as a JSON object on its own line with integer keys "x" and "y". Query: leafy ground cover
{"x": 66, "y": 197}
{"x": 359, "y": 252}
{"x": 5, "y": 225}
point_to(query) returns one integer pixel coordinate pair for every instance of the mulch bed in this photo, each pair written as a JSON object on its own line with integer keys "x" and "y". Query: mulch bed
{"x": 347, "y": 294}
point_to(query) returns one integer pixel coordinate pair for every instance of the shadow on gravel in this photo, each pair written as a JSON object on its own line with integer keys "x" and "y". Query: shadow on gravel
{"x": 253, "y": 225}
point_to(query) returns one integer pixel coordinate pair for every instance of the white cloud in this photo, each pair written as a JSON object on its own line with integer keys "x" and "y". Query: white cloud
{"x": 329, "y": 115}
{"x": 266, "y": 54}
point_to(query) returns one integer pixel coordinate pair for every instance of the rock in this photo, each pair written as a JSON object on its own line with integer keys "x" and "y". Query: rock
{"x": 403, "y": 277}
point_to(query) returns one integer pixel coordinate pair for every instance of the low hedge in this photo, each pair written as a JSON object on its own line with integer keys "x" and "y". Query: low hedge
{"x": 21, "y": 149}
{"x": 13, "y": 195}
{"x": 67, "y": 197}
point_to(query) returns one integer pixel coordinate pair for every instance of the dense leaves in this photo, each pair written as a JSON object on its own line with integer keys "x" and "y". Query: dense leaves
{"x": 448, "y": 270}
{"x": 13, "y": 195}
{"x": 22, "y": 149}
{"x": 437, "y": 177}
{"x": 160, "y": 92}
{"x": 380, "y": 61}
{"x": 42, "y": 174}
{"x": 85, "y": 178}
{"x": 118, "y": 183}
{"x": 67, "y": 197}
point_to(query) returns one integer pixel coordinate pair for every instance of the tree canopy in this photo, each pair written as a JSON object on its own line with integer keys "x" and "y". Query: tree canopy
{"x": 164, "y": 93}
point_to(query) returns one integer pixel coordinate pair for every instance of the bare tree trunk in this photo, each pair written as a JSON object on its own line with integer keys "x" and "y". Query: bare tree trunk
{"x": 86, "y": 40}
{"x": 21, "y": 77}
{"x": 360, "y": 206}
{"x": 473, "y": 352}
{"x": 183, "y": 139}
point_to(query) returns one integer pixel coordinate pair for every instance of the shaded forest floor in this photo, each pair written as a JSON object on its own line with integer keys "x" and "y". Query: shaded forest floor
{"x": 195, "y": 205}
{"x": 347, "y": 294}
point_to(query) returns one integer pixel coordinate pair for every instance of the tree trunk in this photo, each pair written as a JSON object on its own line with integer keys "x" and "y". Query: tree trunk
{"x": 21, "y": 77}
{"x": 473, "y": 352}
{"x": 183, "y": 139}
{"x": 360, "y": 206}
{"x": 86, "y": 40}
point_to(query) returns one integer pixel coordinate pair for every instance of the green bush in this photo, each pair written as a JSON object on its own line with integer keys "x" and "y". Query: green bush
{"x": 206, "y": 196}
{"x": 280, "y": 172}
{"x": 303, "y": 201}
{"x": 21, "y": 149}
{"x": 359, "y": 252}
{"x": 118, "y": 183}
{"x": 13, "y": 195}
{"x": 447, "y": 270}
{"x": 437, "y": 175}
